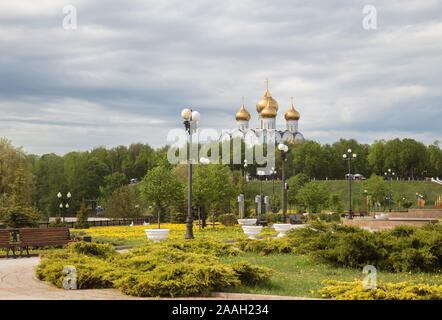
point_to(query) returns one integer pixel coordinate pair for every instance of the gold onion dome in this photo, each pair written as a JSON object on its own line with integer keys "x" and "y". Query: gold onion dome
{"x": 292, "y": 114}
{"x": 267, "y": 99}
{"x": 242, "y": 114}
{"x": 268, "y": 111}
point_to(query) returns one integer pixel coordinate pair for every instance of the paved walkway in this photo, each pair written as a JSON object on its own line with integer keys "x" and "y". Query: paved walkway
{"x": 18, "y": 282}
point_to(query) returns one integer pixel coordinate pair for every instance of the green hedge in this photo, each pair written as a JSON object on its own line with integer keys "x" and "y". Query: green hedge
{"x": 403, "y": 248}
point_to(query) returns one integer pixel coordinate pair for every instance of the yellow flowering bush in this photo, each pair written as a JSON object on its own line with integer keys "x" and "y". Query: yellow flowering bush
{"x": 354, "y": 290}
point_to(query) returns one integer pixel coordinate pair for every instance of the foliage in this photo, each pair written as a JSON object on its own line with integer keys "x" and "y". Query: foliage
{"x": 268, "y": 246}
{"x": 160, "y": 188}
{"x": 18, "y": 213}
{"x": 314, "y": 195}
{"x": 401, "y": 249}
{"x": 376, "y": 187}
{"x": 123, "y": 203}
{"x": 92, "y": 249}
{"x": 57, "y": 223}
{"x": 228, "y": 219}
{"x": 272, "y": 217}
{"x": 82, "y": 217}
{"x": 407, "y": 290}
{"x": 154, "y": 270}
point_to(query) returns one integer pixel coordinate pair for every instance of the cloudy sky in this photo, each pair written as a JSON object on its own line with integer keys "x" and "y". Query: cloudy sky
{"x": 124, "y": 74}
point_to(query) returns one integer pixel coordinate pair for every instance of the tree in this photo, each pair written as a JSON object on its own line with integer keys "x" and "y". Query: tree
{"x": 314, "y": 195}
{"x": 111, "y": 183}
{"x": 82, "y": 217}
{"x": 160, "y": 188}
{"x": 18, "y": 213}
{"x": 295, "y": 184}
{"x": 376, "y": 187}
{"x": 123, "y": 203}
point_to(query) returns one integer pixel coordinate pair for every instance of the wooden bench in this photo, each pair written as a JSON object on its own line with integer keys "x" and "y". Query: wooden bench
{"x": 38, "y": 237}
{"x": 5, "y": 242}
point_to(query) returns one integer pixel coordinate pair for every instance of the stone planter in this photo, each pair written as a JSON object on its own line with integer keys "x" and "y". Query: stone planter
{"x": 157, "y": 234}
{"x": 247, "y": 222}
{"x": 252, "y": 231}
{"x": 282, "y": 228}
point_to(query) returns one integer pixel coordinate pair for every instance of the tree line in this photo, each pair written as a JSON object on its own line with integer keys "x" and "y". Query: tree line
{"x": 99, "y": 173}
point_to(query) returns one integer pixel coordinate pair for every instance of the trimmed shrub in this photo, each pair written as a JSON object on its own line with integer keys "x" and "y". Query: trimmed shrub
{"x": 354, "y": 290}
{"x": 267, "y": 246}
{"x": 165, "y": 269}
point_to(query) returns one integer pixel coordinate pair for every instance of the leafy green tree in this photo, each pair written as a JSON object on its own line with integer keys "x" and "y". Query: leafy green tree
{"x": 111, "y": 183}
{"x": 123, "y": 203}
{"x": 160, "y": 188}
{"x": 314, "y": 195}
{"x": 295, "y": 184}
{"x": 376, "y": 187}
{"x": 18, "y": 213}
{"x": 82, "y": 217}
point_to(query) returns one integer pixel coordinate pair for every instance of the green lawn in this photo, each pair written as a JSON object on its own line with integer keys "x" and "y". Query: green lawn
{"x": 299, "y": 276}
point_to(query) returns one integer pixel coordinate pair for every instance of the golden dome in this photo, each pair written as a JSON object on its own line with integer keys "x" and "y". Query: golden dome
{"x": 242, "y": 114}
{"x": 292, "y": 114}
{"x": 267, "y": 99}
{"x": 268, "y": 111}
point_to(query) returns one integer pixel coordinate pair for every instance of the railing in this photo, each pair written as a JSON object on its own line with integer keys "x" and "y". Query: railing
{"x": 104, "y": 223}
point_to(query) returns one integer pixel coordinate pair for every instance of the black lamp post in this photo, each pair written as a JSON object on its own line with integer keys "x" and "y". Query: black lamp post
{"x": 64, "y": 205}
{"x": 190, "y": 120}
{"x": 283, "y": 148}
{"x": 389, "y": 174}
{"x": 349, "y": 157}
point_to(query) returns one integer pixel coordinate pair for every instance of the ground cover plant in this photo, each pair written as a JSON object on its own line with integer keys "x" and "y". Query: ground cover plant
{"x": 169, "y": 269}
{"x": 407, "y": 290}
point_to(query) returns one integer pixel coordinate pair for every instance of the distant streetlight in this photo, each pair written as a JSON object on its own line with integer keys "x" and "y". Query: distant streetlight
{"x": 349, "y": 157}
{"x": 64, "y": 205}
{"x": 261, "y": 175}
{"x": 389, "y": 174}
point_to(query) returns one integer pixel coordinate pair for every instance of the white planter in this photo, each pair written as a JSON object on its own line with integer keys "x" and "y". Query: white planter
{"x": 247, "y": 222}
{"x": 157, "y": 234}
{"x": 252, "y": 231}
{"x": 282, "y": 228}
{"x": 382, "y": 216}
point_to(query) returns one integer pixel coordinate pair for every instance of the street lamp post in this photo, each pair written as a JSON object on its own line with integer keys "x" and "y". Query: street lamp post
{"x": 349, "y": 157}
{"x": 190, "y": 124}
{"x": 389, "y": 174}
{"x": 273, "y": 173}
{"x": 366, "y": 201}
{"x": 64, "y": 205}
{"x": 283, "y": 148}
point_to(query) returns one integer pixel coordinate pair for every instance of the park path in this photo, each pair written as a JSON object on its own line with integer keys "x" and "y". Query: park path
{"x": 18, "y": 282}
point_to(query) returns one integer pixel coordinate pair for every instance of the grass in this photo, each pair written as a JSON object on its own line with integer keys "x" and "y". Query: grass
{"x": 299, "y": 276}
{"x": 401, "y": 189}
